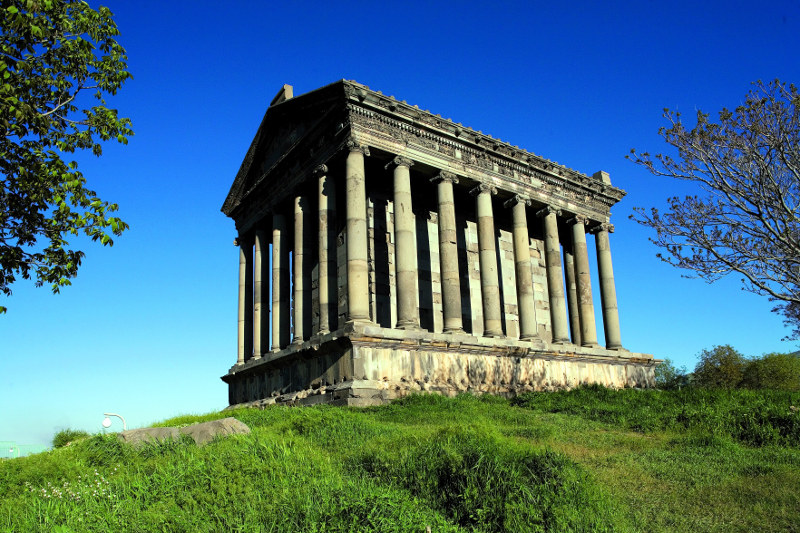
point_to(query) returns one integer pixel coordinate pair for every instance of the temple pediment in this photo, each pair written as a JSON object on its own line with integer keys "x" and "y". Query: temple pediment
{"x": 294, "y": 132}
{"x": 285, "y": 125}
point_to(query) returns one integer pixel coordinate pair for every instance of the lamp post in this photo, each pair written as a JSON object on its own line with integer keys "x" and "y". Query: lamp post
{"x": 107, "y": 421}
{"x": 11, "y": 451}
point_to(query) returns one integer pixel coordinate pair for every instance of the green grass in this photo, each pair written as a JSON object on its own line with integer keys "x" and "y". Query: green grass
{"x": 585, "y": 460}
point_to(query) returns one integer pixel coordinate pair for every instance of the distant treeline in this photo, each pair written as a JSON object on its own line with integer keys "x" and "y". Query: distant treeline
{"x": 723, "y": 367}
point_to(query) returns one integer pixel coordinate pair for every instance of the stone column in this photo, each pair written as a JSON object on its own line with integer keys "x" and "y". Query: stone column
{"x": 405, "y": 251}
{"x": 261, "y": 296}
{"x": 327, "y": 250}
{"x": 583, "y": 281}
{"x": 572, "y": 295}
{"x": 448, "y": 254}
{"x": 522, "y": 262}
{"x": 245, "y": 335}
{"x": 608, "y": 291}
{"x": 300, "y": 282}
{"x": 487, "y": 255}
{"x": 280, "y": 283}
{"x": 555, "y": 283}
{"x": 357, "y": 273}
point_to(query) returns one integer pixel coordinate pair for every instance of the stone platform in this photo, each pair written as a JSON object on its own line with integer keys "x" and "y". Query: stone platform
{"x": 363, "y": 364}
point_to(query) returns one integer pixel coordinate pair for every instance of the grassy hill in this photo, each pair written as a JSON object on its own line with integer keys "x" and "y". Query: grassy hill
{"x": 585, "y": 460}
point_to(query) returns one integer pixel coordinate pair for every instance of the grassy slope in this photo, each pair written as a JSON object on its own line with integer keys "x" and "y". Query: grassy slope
{"x": 586, "y": 460}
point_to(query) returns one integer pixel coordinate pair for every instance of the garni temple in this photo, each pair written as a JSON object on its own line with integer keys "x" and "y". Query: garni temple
{"x": 385, "y": 250}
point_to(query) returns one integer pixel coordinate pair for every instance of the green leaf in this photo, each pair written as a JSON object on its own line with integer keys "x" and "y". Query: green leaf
{"x": 82, "y": 52}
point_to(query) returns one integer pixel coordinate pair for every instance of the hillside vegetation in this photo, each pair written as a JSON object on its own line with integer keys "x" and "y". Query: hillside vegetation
{"x": 591, "y": 459}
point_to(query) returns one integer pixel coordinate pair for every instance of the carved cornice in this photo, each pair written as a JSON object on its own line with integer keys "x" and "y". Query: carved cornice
{"x": 444, "y": 176}
{"x": 483, "y": 188}
{"x": 399, "y": 161}
{"x": 516, "y": 199}
{"x": 399, "y": 122}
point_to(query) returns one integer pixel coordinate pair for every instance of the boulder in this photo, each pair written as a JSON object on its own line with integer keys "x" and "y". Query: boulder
{"x": 206, "y": 431}
{"x": 201, "y": 433}
{"x": 146, "y": 435}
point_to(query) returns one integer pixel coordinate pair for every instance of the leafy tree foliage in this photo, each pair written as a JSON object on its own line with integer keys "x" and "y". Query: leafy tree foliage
{"x": 724, "y": 367}
{"x": 773, "y": 371}
{"x": 720, "y": 367}
{"x": 670, "y": 377}
{"x": 748, "y": 219}
{"x": 56, "y": 58}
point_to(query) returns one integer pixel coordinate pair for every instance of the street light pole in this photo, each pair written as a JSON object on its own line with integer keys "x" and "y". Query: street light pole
{"x": 107, "y": 421}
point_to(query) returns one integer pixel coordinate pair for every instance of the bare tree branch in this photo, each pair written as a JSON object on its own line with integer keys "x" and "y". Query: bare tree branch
{"x": 748, "y": 165}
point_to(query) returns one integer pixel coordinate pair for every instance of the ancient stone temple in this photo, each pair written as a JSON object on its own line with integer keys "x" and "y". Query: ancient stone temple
{"x": 385, "y": 250}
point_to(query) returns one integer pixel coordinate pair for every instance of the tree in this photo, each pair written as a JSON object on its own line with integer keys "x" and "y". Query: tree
{"x": 670, "y": 377}
{"x": 748, "y": 220}
{"x": 720, "y": 367}
{"x": 773, "y": 371}
{"x": 55, "y": 56}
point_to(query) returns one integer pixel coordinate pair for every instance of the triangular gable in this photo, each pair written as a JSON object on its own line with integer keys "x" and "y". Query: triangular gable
{"x": 283, "y": 125}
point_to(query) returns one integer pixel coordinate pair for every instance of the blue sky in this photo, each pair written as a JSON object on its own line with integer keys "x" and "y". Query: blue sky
{"x": 149, "y": 325}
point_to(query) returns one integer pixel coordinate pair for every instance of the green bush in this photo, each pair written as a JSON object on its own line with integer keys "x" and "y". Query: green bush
{"x": 773, "y": 371}
{"x": 720, "y": 367}
{"x": 66, "y": 436}
{"x": 669, "y": 377}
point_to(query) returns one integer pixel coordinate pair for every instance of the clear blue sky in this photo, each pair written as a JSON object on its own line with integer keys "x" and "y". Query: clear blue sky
{"x": 149, "y": 325}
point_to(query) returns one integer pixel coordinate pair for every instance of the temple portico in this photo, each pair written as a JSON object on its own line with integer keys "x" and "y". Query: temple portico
{"x": 397, "y": 251}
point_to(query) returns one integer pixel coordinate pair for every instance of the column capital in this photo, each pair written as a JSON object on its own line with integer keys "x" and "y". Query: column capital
{"x": 483, "y": 188}
{"x": 242, "y": 239}
{"x": 399, "y": 161}
{"x": 603, "y": 226}
{"x": 320, "y": 170}
{"x": 578, "y": 219}
{"x": 354, "y": 146}
{"x": 445, "y": 176}
{"x": 548, "y": 210}
{"x": 516, "y": 199}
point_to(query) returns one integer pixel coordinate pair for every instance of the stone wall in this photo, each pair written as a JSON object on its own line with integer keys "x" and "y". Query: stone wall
{"x": 369, "y": 365}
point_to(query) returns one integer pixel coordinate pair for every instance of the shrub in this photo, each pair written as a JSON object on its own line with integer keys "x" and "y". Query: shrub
{"x": 773, "y": 371}
{"x": 66, "y": 436}
{"x": 668, "y": 377}
{"x": 720, "y": 367}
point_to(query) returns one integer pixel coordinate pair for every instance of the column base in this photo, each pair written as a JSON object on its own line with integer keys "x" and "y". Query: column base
{"x": 494, "y": 335}
{"x": 528, "y": 337}
{"x": 409, "y": 326}
{"x": 590, "y": 345}
{"x": 454, "y": 330}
